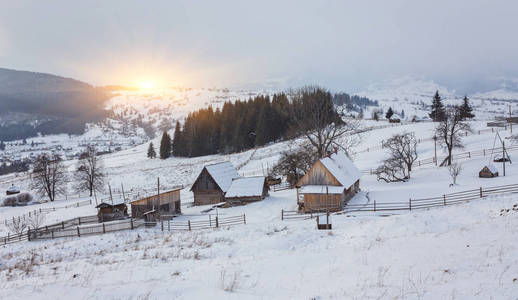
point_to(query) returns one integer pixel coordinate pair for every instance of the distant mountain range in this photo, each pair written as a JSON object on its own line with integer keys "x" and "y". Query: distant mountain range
{"x": 32, "y": 103}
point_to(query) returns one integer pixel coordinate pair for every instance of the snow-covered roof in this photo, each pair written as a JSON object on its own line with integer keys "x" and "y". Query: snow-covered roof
{"x": 246, "y": 187}
{"x": 13, "y": 189}
{"x": 342, "y": 168}
{"x": 110, "y": 202}
{"x": 395, "y": 117}
{"x": 223, "y": 173}
{"x": 492, "y": 168}
{"x": 321, "y": 189}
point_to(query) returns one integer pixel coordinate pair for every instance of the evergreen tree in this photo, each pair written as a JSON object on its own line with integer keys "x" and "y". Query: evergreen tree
{"x": 151, "y": 151}
{"x": 2, "y": 146}
{"x": 466, "y": 109}
{"x": 177, "y": 140}
{"x": 437, "y": 114}
{"x": 165, "y": 146}
{"x": 389, "y": 113}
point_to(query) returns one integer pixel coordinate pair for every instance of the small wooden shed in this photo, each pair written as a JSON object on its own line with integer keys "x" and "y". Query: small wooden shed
{"x": 329, "y": 184}
{"x": 395, "y": 119}
{"x": 488, "y": 171}
{"x": 166, "y": 204}
{"x": 213, "y": 182}
{"x": 12, "y": 190}
{"x": 246, "y": 189}
{"x": 107, "y": 211}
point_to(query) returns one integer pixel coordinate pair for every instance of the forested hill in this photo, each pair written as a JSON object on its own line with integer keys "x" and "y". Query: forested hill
{"x": 36, "y": 102}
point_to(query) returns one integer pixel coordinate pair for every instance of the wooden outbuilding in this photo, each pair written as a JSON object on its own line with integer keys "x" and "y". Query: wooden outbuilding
{"x": 488, "y": 171}
{"x": 395, "y": 119}
{"x": 107, "y": 211}
{"x": 246, "y": 189}
{"x": 12, "y": 190}
{"x": 166, "y": 204}
{"x": 329, "y": 184}
{"x": 213, "y": 182}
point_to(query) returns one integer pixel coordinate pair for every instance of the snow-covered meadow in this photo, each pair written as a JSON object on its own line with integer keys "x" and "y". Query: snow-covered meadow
{"x": 465, "y": 251}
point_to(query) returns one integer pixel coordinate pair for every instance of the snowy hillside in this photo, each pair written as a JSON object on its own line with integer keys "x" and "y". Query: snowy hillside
{"x": 460, "y": 251}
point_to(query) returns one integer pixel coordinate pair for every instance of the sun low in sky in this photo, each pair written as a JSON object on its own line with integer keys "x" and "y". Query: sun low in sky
{"x": 147, "y": 85}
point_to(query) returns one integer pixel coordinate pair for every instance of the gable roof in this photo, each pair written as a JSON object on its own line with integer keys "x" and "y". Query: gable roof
{"x": 246, "y": 187}
{"x": 342, "y": 168}
{"x": 222, "y": 173}
{"x": 492, "y": 168}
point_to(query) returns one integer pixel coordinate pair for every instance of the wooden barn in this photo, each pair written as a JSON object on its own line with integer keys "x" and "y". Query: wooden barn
{"x": 166, "y": 204}
{"x": 488, "y": 171}
{"x": 109, "y": 211}
{"x": 213, "y": 182}
{"x": 329, "y": 184}
{"x": 246, "y": 189}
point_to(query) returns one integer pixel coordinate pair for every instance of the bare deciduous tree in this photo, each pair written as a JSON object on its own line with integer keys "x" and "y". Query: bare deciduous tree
{"x": 454, "y": 169}
{"x": 48, "y": 176}
{"x": 295, "y": 163}
{"x": 318, "y": 121}
{"x": 36, "y": 220}
{"x": 403, "y": 154}
{"x": 89, "y": 174}
{"x": 18, "y": 225}
{"x": 449, "y": 132}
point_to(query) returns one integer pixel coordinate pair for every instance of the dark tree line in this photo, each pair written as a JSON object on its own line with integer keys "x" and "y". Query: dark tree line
{"x": 353, "y": 103}
{"x": 245, "y": 124}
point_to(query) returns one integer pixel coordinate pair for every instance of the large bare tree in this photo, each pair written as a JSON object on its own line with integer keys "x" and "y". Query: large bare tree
{"x": 403, "y": 154}
{"x": 319, "y": 122}
{"x": 450, "y": 130}
{"x": 89, "y": 173}
{"x": 294, "y": 163}
{"x": 49, "y": 176}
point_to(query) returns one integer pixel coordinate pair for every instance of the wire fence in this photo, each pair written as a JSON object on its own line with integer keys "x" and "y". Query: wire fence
{"x": 411, "y": 204}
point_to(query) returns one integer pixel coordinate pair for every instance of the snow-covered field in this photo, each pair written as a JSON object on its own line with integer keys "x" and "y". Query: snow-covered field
{"x": 465, "y": 251}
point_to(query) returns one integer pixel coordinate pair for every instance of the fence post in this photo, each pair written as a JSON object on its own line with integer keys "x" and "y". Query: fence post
{"x": 168, "y": 225}
{"x": 217, "y": 222}
{"x": 469, "y": 154}
{"x": 78, "y": 233}
{"x": 480, "y": 192}
{"x": 282, "y": 214}
{"x": 484, "y": 152}
{"x": 210, "y": 220}
{"x": 244, "y": 219}
{"x": 131, "y": 221}
{"x": 52, "y": 234}
{"x": 62, "y": 225}
{"x": 410, "y": 204}
{"x": 79, "y": 220}
{"x": 104, "y": 229}
{"x": 29, "y": 234}
{"x": 444, "y": 199}
{"x": 162, "y": 225}
{"x": 374, "y": 205}
{"x": 189, "y": 223}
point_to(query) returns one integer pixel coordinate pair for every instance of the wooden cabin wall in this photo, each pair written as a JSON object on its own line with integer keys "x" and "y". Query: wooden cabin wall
{"x": 318, "y": 202}
{"x": 318, "y": 175}
{"x": 204, "y": 197}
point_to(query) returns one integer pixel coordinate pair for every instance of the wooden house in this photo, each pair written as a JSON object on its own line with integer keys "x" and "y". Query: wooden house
{"x": 213, "y": 182}
{"x": 108, "y": 211}
{"x": 329, "y": 184}
{"x": 246, "y": 189}
{"x": 394, "y": 119}
{"x": 164, "y": 205}
{"x": 488, "y": 171}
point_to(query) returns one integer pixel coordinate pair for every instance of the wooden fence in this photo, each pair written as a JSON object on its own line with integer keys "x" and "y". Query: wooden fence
{"x": 281, "y": 186}
{"x": 463, "y": 155}
{"x": 45, "y": 210}
{"x": 413, "y": 204}
{"x": 211, "y": 222}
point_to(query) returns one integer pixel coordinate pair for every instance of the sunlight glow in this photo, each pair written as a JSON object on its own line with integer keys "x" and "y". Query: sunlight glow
{"x": 147, "y": 85}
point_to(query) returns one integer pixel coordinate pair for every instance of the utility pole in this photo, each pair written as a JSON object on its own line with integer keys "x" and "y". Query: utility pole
{"x": 111, "y": 196}
{"x": 510, "y": 119}
{"x": 435, "y": 147}
{"x": 503, "y": 155}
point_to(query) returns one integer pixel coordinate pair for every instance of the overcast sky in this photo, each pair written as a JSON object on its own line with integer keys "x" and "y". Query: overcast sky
{"x": 343, "y": 45}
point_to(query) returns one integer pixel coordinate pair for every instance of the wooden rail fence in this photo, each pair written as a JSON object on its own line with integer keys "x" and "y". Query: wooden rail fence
{"x": 212, "y": 222}
{"x": 413, "y": 204}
